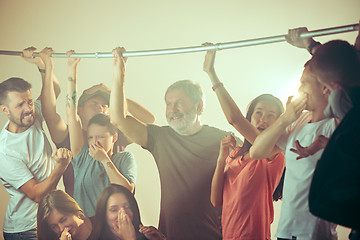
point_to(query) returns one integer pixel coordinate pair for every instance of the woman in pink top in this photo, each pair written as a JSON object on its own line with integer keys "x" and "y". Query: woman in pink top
{"x": 244, "y": 187}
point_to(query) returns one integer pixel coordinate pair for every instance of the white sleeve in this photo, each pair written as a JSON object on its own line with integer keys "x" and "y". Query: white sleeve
{"x": 14, "y": 170}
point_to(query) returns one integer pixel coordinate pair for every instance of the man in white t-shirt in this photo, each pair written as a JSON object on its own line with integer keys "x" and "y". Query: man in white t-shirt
{"x": 27, "y": 169}
{"x": 294, "y": 131}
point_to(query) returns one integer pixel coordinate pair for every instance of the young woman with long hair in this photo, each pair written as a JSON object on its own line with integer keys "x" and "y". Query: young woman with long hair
{"x": 117, "y": 217}
{"x": 244, "y": 187}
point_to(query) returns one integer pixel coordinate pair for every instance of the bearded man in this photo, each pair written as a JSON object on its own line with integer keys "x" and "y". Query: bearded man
{"x": 185, "y": 153}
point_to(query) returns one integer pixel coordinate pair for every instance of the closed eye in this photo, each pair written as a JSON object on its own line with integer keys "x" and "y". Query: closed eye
{"x": 63, "y": 219}
{"x": 114, "y": 209}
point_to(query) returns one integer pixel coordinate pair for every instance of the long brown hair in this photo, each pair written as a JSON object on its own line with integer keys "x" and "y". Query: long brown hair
{"x": 60, "y": 201}
{"x": 266, "y": 98}
{"x": 101, "y": 229}
{"x": 247, "y": 145}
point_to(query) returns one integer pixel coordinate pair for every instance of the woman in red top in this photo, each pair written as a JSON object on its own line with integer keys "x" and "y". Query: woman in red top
{"x": 244, "y": 187}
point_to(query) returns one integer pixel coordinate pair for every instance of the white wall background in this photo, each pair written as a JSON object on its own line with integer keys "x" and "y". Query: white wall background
{"x": 99, "y": 26}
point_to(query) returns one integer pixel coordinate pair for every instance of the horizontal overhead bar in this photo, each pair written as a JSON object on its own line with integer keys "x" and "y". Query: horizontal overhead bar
{"x": 219, "y": 46}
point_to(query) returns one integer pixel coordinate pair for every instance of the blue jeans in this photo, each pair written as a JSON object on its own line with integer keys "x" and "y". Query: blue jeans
{"x": 27, "y": 235}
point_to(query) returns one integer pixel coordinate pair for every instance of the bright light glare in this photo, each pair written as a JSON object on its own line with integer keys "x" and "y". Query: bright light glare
{"x": 288, "y": 89}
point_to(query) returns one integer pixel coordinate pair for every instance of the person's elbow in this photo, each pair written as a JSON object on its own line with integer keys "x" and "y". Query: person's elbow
{"x": 37, "y": 199}
{"x": 256, "y": 153}
{"x": 31, "y": 190}
{"x": 34, "y": 197}
{"x": 151, "y": 119}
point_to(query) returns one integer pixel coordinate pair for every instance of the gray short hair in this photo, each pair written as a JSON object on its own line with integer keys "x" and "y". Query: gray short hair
{"x": 192, "y": 89}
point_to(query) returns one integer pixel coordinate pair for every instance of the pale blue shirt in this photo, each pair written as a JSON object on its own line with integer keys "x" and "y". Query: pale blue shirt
{"x": 91, "y": 177}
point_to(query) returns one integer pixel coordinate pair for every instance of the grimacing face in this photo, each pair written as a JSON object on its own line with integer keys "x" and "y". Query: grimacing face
{"x": 181, "y": 112}
{"x": 20, "y": 109}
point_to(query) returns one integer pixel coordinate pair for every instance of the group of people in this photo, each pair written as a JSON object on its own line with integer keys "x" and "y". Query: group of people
{"x": 213, "y": 185}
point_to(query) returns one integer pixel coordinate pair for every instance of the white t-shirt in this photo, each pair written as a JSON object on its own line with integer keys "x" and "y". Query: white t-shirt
{"x": 295, "y": 218}
{"x": 23, "y": 156}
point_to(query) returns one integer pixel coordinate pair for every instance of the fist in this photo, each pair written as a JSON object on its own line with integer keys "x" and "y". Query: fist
{"x": 62, "y": 156}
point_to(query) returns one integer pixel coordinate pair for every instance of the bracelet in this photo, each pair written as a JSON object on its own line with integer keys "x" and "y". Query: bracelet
{"x": 216, "y": 85}
{"x": 41, "y": 70}
{"x": 312, "y": 45}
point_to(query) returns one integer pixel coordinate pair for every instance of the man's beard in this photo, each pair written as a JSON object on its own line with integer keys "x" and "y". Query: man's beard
{"x": 19, "y": 123}
{"x": 187, "y": 122}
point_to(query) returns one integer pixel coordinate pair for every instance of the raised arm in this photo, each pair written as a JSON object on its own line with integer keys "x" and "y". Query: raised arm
{"x": 136, "y": 109}
{"x": 98, "y": 153}
{"x": 228, "y": 105}
{"x": 130, "y": 126}
{"x": 37, "y": 190}
{"x": 27, "y": 55}
{"x": 140, "y": 112}
{"x": 294, "y": 39}
{"x": 217, "y": 183}
{"x": 75, "y": 130}
{"x": 49, "y": 93}
{"x": 264, "y": 145}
